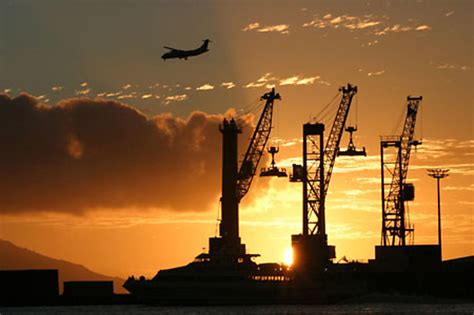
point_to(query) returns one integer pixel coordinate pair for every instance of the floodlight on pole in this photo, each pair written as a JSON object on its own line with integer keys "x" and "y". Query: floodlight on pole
{"x": 439, "y": 173}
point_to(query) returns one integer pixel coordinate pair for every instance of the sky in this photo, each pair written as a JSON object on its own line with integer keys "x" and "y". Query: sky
{"x": 114, "y": 154}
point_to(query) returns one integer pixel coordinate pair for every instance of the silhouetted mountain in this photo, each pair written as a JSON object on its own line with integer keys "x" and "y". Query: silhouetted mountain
{"x": 13, "y": 257}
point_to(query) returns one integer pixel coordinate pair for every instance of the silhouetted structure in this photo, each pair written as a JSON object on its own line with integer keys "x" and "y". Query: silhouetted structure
{"x": 184, "y": 54}
{"x": 311, "y": 252}
{"x": 273, "y": 170}
{"x": 439, "y": 173}
{"x": 29, "y": 287}
{"x": 409, "y": 258}
{"x": 226, "y": 273}
{"x": 395, "y": 221}
{"x": 351, "y": 148}
{"x": 88, "y": 288}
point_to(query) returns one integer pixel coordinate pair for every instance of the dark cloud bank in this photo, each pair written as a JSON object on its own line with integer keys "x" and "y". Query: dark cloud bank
{"x": 83, "y": 154}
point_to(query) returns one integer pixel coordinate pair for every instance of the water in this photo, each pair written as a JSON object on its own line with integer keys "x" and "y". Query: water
{"x": 365, "y": 309}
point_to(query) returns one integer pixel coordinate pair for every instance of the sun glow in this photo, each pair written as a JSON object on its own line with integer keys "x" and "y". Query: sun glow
{"x": 288, "y": 257}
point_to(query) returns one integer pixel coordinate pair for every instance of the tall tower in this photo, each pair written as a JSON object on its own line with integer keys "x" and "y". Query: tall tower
{"x": 229, "y": 226}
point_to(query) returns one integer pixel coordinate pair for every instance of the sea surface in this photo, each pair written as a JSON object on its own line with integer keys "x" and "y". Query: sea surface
{"x": 366, "y": 309}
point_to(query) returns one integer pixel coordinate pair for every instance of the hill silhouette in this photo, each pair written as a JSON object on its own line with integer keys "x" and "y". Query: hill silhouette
{"x": 13, "y": 257}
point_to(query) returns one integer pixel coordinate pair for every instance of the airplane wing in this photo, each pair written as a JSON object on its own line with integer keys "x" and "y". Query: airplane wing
{"x": 173, "y": 49}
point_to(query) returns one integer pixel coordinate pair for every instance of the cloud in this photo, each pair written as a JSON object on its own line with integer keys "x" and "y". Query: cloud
{"x": 397, "y": 28}
{"x": 372, "y": 24}
{"x": 279, "y": 28}
{"x": 83, "y": 92}
{"x": 343, "y": 21}
{"x": 57, "y": 88}
{"x": 175, "y": 98}
{"x": 296, "y": 80}
{"x": 371, "y": 43}
{"x": 146, "y": 96}
{"x": 448, "y": 66}
{"x": 449, "y": 13}
{"x": 269, "y": 81}
{"x": 370, "y": 74}
{"x": 205, "y": 87}
{"x": 422, "y": 28}
{"x": 228, "y": 85}
{"x": 251, "y": 26}
{"x": 263, "y": 80}
{"x": 82, "y": 155}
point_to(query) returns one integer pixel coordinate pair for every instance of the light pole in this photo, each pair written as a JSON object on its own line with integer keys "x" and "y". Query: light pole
{"x": 439, "y": 173}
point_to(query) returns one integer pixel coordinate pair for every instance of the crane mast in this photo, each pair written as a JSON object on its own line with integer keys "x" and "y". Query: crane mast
{"x": 395, "y": 223}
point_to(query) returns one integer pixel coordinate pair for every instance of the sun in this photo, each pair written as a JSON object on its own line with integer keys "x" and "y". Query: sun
{"x": 288, "y": 256}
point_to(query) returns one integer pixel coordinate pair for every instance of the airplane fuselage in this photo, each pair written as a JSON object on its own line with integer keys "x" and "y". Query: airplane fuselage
{"x": 184, "y": 54}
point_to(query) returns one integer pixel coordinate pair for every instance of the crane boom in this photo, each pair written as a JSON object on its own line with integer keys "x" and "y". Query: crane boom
{"x": 395, "y": 226}
{"x": 334, "y": 139}
{"x": 257, "y": 145}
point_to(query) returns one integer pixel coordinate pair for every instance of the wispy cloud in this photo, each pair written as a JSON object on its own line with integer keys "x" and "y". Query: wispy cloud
{"x": 278, "y": 28}
{"x": 251, "y": 26}
{"x": 370, "y": 74}
{"x": 228, "y": 85}
{"x": 344, "y": 21}
{"x": 462, "y": 188}
{"x": 205, "y": 87}
{"x": 449, "y": 13}
{"x": 448, "y": 66}
{"x": 369, "y": 22}
{"x": 146, "y": 96}
{"x": 57, "y": 88}
{"x": 83, "y": 92}
{"x": 264, "y": 79}
{"x": 397, "y": 28}
{"x": 297, "y": 80}
{"x": 268, "y": 80}
{"x": 371, "y": 43}
{"x": 175, "y": 98}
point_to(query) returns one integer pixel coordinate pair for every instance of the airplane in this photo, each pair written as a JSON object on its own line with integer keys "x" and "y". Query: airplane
{"x": 177, "y": 53}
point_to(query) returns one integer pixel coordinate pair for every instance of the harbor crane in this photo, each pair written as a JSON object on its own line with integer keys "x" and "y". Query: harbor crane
{"x": 396, "y": 192}
{"x": 236, "y": 182}
{"x": 310, "y": 248}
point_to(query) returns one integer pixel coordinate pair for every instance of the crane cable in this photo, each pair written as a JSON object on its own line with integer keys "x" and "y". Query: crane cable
{"x": 250, "y": 108}
{"x": 356, "y": 110}
{"x": 398, "y": 123}
{"x": 329, "y": 106}
{"x": 330, "y": 114}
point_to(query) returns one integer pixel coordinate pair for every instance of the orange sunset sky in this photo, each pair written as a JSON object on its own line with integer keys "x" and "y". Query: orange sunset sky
{"x": 112, "y": 157}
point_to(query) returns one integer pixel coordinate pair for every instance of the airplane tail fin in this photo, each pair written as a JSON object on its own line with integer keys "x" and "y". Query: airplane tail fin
{"x": 205, "y": 44}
